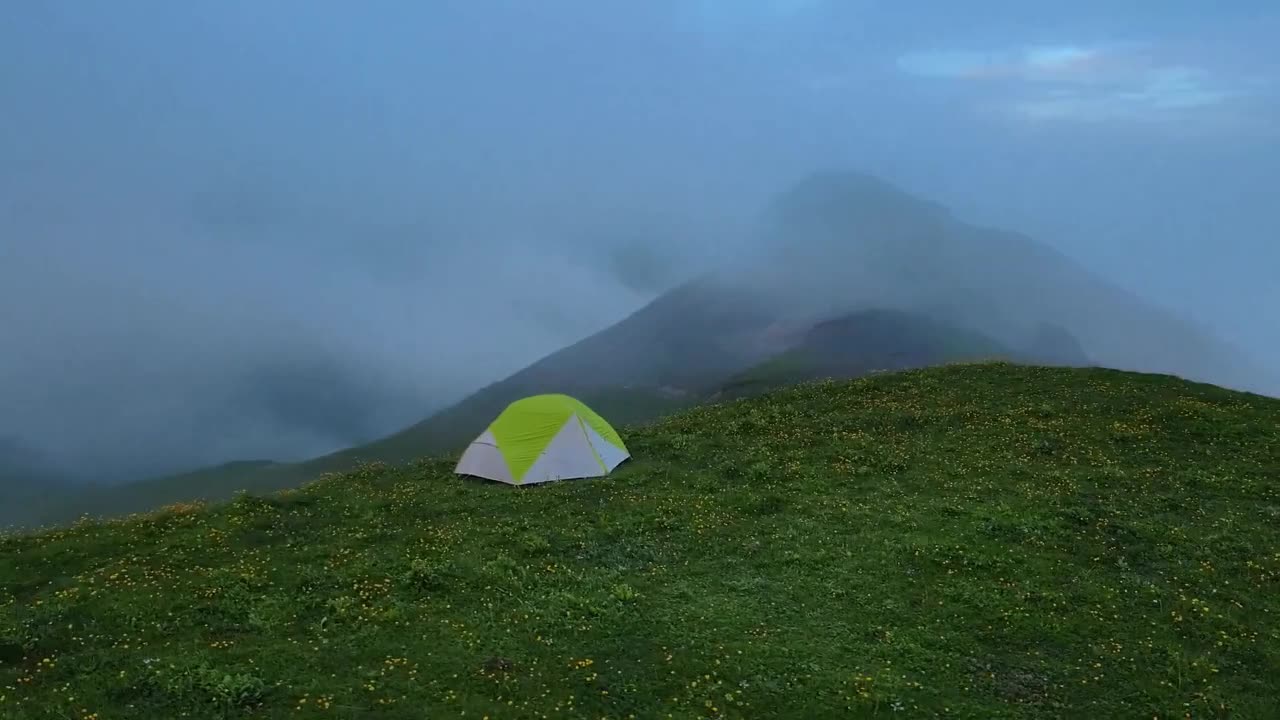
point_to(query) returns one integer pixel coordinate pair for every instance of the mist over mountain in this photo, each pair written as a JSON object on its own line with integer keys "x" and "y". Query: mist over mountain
{"x": 847, "y": 274}
{"x": 842, "y": 241}
{"x": 27, "y": 478}
{"x": 832, "y": 244}
{"x": 18, "y": 461}
{"x": 236, "y": 230}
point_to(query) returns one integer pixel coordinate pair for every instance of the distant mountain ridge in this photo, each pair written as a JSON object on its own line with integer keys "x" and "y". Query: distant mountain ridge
{"x": 849, "y": 275}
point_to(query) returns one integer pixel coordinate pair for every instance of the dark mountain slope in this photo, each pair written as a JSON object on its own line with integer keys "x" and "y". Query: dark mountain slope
{"x": 863, "y": 343}
{"x": 685, "y": 338}
{"x": 658, "y": 359}
{"x": 874, "y": 341}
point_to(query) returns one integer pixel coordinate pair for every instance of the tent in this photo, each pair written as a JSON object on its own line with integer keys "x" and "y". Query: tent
{"x": 543, "y": 438}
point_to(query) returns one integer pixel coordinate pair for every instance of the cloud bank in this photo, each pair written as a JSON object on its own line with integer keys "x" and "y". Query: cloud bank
{"x": 1089, "y": 84}
{"x": 243, "y": 229}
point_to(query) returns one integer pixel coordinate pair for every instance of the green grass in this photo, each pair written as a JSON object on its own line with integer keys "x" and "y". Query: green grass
{"x": 974, "y": 541}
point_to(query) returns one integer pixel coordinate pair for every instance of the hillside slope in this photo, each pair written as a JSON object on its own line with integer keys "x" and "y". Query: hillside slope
{"x": 975, "y": 541}
{"x": 866, "y": 342}
{"x": 658, "y": 360}
{"x": 835, "y": 245}
{"x": 842, "y": 347}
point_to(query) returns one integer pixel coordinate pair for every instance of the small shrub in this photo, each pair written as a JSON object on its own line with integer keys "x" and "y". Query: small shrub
{"x": 759, "y": 471}
{"x": 11, "y": 652}
{"x": 198, "y": 686}
{"x": 770, "y": 504}
{"x": 534, "y": 544}
{"x": 426, "y": 576}
{"x": 367, "y": 471}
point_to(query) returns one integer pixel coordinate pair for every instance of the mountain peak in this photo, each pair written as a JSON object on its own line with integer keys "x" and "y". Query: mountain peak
{"x": 843, "y": 198}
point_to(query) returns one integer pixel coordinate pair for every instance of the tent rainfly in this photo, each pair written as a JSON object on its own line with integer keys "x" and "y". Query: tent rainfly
{"x": 543, "y": 438}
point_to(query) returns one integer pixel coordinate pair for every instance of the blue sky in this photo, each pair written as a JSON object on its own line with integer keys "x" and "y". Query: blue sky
{"x": 196, "y": 180}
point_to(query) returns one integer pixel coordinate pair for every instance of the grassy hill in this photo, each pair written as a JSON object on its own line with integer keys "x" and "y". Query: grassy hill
{"x": 973, "y": 541}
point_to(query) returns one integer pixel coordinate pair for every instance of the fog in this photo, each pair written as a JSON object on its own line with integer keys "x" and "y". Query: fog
{"x": 242, "y": 230}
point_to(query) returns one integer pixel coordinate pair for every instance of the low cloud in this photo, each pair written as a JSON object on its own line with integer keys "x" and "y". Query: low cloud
{"x": 1044, "y": 62}
{"x": 1080, "y": 83}
{"x": 1164, "y": 93}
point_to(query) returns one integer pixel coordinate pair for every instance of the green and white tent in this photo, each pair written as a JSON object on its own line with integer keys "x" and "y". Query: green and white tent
{"x": 543, "y": 438}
